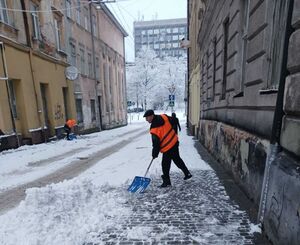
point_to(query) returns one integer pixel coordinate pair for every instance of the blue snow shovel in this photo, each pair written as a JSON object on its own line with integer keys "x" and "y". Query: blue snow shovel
{"x": 139, "y": 184}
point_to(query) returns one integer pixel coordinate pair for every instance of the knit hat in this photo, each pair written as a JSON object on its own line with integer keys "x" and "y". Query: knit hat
{"x": 149, "y": 113}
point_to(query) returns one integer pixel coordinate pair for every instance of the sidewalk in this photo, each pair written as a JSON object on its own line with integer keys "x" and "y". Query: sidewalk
{"x": 197, "y": 211}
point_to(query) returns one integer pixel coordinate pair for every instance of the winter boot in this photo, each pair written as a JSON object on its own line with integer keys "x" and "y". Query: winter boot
{"x": 166, "y": 181}
{"x": 188, "y": 176}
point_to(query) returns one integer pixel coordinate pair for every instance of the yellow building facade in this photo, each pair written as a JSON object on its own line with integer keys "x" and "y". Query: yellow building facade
{"x": 35, "y": 96}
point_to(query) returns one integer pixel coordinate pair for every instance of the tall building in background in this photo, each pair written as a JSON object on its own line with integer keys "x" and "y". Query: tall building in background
{"x": 163, "y": 36}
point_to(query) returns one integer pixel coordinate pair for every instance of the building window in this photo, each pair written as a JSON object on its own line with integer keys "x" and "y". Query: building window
{"x": 94, "y": 25}
{"x": 93, "y": 110}
{"x": 175, "y": 30}
{"x": 97, "y": 68}
{"x": 245, "y": 21}
{"x": 90, "y": 65}
{"x": 86, "y": 23}
{"x": 111, "y": 82}
{"x": 78, "y": 103}
{"x": 182, "y": 30}
{"x": 73, "y": 54}
{"x": 78, "y": 12}
{"x": 225, "y": 50}
{"x": 57, "y": 27}
{"x": 68, "y": 8}
{"x": 82, "y": 62}
{"x": 35, "y": 21}
{"x": 13, "y": 100}
{"x": 3, "y": 12}
{"x": 214, "y": 67}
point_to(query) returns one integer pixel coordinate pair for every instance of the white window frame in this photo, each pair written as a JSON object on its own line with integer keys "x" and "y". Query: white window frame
{"x": 35, "y": 21}
{"x": 3, "y": 12}
{"x": 86, "y": 23}
{"x": 68, "y": 8}
{"x": 57, "y": 34}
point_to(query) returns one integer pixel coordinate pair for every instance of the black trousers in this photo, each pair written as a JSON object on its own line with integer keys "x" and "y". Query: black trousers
{"x": 173, "y": 154}
{"x": 67, "y": 130}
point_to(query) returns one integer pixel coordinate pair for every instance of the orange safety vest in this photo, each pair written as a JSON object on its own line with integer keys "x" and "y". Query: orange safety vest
{"x": 166, "y": 134}
{"x": 71, "y": 123}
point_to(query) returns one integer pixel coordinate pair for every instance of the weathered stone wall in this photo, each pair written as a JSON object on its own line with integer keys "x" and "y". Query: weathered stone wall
{"x": 241, "y": 54}
{"x": 242, "y": 153}
{"x": 282, "y": 215}
{"x": 282, "y": 218}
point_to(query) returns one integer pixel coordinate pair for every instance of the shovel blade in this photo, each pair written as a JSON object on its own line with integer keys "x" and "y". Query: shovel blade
{"x": 139, "y": 184}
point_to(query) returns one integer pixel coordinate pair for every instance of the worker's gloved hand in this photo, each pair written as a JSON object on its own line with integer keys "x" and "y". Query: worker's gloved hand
{"x": 154, "y": 154}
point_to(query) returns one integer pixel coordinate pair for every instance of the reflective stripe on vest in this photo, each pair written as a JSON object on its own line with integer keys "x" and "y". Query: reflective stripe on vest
{"x": 166, "y": 135}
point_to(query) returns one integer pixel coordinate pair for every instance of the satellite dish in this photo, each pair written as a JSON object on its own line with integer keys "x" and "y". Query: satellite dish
{"x": 71, "y": 73}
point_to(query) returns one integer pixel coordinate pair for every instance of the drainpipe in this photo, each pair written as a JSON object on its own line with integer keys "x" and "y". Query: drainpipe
{"x": 8, "y": 94}
{"x": 278, "y": 115}
{"x": 29, "y": 44}
{"x": 124, "y": 85}
{"x": 188, "y": 67}
{"x": 94, "y": 67}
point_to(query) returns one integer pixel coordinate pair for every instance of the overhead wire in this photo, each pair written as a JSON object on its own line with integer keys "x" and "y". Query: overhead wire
{"x": 130, "y": 28}
{"x": 46, "y": 11}
{"x": 84, "y": 3}
{"x": 114, "y": 11}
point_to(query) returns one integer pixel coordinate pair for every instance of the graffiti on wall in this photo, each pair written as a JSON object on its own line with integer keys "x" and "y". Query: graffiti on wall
{"x": 58, "y": 112}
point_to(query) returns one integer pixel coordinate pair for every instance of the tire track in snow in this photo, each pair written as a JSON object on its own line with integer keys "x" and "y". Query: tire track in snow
{"x": 12, "y": 197}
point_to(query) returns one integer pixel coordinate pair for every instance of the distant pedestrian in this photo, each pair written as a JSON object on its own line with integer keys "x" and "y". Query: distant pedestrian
{"x": 176, "y": 124}
{"x": 68, "y": 127}
{"x": 165, "y": 140}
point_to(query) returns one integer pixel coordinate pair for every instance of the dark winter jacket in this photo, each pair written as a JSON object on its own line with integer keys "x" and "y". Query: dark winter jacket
{"x": 176, "y": 124}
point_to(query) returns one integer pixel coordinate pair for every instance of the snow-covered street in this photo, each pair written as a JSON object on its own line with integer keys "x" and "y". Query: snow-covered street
{"x": 94, "y": 207}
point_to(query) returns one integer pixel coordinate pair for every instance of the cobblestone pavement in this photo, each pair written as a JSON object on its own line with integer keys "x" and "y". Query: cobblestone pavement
{"x": 196, "y": 211}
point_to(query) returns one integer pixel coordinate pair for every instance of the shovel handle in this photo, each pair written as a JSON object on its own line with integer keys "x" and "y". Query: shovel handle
{"x": 148, "y": 167}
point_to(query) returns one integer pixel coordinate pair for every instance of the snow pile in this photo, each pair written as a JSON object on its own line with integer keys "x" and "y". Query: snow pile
{"x": 67, "y": 213}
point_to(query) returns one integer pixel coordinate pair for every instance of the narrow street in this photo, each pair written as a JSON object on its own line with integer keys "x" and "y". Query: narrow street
{"x": 197, "y": 211}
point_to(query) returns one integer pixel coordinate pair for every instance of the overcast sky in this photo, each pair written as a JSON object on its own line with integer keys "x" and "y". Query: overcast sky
{"x": 128, "y": 11}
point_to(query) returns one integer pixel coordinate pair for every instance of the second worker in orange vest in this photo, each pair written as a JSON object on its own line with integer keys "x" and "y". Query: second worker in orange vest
{"x": 165, "y": 140}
